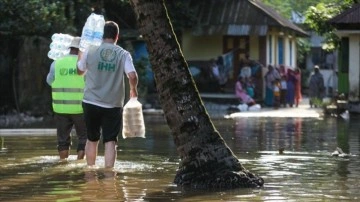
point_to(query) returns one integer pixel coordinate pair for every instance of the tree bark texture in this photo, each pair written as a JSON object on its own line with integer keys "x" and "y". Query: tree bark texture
{"x": 206, "y": 160}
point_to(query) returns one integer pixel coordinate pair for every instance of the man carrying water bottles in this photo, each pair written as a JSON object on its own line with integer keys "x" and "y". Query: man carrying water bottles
{"x": 105, "y": 67}
{"x": 67, "y": 93}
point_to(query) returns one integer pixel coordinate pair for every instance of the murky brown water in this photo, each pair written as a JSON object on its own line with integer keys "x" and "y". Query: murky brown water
{"x": 144, "y": 171}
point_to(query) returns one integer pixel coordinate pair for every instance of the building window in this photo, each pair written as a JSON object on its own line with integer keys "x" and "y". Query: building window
{"x": 291, "y": 52}
{"x": 281, "y": 50}
{"x": 270, "y": 49}
{"x": 344, "y": 68}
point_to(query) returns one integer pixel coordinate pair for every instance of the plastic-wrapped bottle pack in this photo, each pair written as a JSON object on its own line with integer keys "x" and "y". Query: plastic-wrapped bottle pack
{"x": 59, "y": 46}
{"x": 92, "y": 32}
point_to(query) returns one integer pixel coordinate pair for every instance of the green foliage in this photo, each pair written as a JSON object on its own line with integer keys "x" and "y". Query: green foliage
{"x": 181, "y": 14}
{"x": 317, "y": 19}
{"x": 281, "y": 6}
{"x": 317, "y": 102}
{"x": 303, "y": 47}
{"x": 285, "y": 7}
{"x": 305, "y": 75}
{"x": 33, "y": 17}
{"x": 317, "y": 13}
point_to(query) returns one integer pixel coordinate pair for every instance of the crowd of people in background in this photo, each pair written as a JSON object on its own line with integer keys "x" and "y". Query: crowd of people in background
{"x": 282, "y": 86}
{"x": 282, "y": 83}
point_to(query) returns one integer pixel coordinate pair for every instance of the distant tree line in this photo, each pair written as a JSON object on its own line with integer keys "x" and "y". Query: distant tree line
{"x": 25, "y": 31}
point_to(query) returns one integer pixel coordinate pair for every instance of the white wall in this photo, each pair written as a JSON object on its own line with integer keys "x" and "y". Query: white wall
{"x": 354, "y": 69}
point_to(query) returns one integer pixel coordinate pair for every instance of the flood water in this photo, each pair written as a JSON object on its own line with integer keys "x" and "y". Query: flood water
{"x": 145, "y": 168}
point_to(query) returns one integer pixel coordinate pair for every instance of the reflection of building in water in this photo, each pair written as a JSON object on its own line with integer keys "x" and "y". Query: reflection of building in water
{"x": 298, "y": 133}
{"x": 354, "y": 139}
{"x": 248, "y": 135}
{"x": 2, "y": 147}
{"x": 318, "y": 136}
{"x": 294, "y": 134}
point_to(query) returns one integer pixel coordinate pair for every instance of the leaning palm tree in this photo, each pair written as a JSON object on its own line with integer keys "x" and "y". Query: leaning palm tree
{"x": 206, "y": 160}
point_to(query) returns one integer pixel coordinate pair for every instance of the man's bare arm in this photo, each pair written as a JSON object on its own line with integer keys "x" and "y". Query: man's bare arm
{"x": 133, "y": 82}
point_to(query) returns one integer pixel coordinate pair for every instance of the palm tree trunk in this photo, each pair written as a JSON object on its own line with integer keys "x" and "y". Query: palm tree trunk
{"x": 206, "y": 160}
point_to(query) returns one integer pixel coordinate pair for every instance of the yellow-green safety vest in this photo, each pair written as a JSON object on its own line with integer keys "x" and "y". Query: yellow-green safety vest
{"x": 68, "y": 87}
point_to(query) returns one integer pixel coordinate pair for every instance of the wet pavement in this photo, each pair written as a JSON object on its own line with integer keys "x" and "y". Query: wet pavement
{"x": 217, "y": 110}
{"x": 230, "y": 111}
{"x": 302, "y": 111}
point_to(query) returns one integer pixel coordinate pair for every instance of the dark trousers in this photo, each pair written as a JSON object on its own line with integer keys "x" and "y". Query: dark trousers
{"x": 283, "y": 97}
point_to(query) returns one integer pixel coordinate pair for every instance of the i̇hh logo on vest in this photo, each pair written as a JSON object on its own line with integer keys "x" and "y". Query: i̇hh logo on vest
{"x": 66, "y": 71}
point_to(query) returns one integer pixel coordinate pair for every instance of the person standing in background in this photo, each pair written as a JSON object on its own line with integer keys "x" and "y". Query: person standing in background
{"x": 223, "y": 77}
{"x": 298, "y": 95}
{"x": 67, "y": 93}
{"x": 270, "y": 77}
{"x": 105, "y": 67}
{"x": 291, "y": 83}
{"x": 316, "y": 87}
{"x": 215, "y": 73}
{"x": 283, "y": 90}
{"x": 277, "y": 93}
{"x": 241, "y": 93}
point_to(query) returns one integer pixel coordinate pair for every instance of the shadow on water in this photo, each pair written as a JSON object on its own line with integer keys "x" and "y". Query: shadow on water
{"x": 305, "y": 170}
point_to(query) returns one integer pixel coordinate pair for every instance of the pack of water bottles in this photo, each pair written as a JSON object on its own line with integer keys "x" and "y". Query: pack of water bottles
{"x": 92, "y": 32}
{"x": 59, "y": 46}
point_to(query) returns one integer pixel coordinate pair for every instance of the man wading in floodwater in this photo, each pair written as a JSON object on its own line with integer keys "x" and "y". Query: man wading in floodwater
{"x": 105, "y": 67}
{"x": 67, "y": 93}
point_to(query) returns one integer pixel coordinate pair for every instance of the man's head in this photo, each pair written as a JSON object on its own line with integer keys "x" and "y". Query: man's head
{"x": 270, "y": 67}
{"x": 111, "y": 30}
{"x": 316, "y": 69}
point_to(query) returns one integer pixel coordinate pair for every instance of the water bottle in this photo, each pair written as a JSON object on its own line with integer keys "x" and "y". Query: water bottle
{"x": 59, "y": 46}
{"x": 87, "y": 33}
{"x": 64, "y": 39}
{"x": 98, "y": 30}
{"x": 92, "y": 31}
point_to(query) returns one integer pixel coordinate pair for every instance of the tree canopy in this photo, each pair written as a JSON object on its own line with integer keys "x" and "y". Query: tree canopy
{"x": 317, "y": 19}
{"x": 316, "y": 13}
{"x": 36, "y": 17}
{"x": 285, "y": 7}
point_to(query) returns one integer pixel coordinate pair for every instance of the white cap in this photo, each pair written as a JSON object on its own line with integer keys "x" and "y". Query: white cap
{"x": 75, "y": 42}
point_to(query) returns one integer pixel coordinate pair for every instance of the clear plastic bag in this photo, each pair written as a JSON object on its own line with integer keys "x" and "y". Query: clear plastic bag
{"x": 133, "y": 120}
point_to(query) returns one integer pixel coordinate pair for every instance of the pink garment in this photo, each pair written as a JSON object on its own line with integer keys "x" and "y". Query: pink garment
{"x": 240, "y": 92}
{"x": 298, "y": 96}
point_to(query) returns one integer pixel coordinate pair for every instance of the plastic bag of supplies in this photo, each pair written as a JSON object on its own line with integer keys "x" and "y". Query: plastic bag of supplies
{"x": 133, "y": 120}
